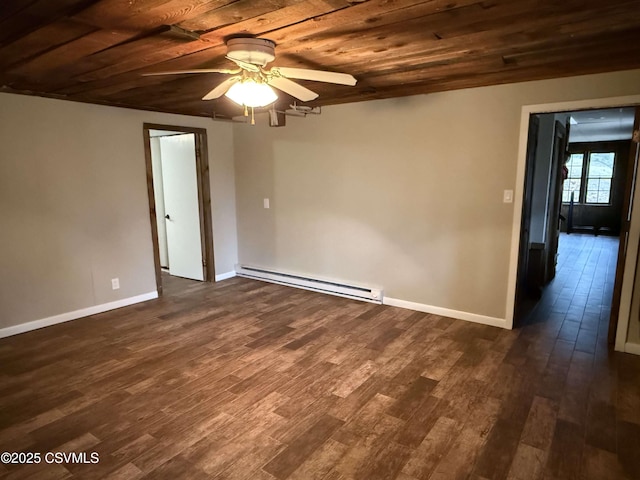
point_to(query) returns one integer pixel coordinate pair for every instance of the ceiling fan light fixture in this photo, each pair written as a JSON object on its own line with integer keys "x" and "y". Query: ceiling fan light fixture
{"x": 250, "y": 93}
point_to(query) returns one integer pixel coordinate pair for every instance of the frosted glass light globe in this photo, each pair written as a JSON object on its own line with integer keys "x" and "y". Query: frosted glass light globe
{"x": 251, "y": 93}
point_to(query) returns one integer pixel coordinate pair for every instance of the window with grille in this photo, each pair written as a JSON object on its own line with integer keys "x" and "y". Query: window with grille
{"x": 574, "y": 178}
{"x": 599, "y": 176}
{"x": 589, "y": 177}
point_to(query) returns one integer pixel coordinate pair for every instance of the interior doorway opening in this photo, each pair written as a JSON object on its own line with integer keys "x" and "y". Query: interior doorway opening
{"x": 579, "y": 178}
{"x": 179, "y": 202}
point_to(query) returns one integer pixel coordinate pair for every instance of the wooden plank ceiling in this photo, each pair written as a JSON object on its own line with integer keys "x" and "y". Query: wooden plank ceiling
{"x": 96, "y": 50}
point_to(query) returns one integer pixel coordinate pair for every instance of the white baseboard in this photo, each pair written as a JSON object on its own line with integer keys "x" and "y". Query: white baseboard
{"x": 445, "y": 312}
{"x": 632, "y": 348}
{"x": 224, "y": 276}
{"x": 83, "y": 312}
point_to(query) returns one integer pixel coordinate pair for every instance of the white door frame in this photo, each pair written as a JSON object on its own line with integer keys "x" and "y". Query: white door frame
{"x": 634, "y": 233}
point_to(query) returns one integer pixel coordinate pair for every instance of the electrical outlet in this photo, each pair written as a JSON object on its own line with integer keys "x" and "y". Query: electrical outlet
{"x": 266, "y": 203}
{"x": 115, "y": 283}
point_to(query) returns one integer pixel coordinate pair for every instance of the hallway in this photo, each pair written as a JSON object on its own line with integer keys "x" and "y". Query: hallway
{"x": 577, "y": 303}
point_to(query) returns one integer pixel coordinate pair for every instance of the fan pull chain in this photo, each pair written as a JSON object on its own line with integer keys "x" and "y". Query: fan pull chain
{"x": 253, "y": 120}
{"x": 246, "y": 111}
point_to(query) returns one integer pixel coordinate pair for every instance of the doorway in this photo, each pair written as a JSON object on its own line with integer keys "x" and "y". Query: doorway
{"x": 179, "y": 202}
{"x": 578, "y": 182}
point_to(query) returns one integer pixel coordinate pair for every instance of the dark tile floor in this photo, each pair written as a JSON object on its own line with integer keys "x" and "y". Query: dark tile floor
{"x": 578, "y": 301}
{"x": 253, "y": 381}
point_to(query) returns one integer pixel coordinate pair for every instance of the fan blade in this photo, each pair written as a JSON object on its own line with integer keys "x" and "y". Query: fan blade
{"x": 246, "y": 65}
{"x": 316, "y": 75}
{"x": 293, "y": 89}
{"x": 221, "y": 89}
{"x": 226, "y": 71}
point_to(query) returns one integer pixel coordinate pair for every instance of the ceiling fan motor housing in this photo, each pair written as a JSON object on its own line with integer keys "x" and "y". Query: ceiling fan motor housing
{"x": 258, "y": 51}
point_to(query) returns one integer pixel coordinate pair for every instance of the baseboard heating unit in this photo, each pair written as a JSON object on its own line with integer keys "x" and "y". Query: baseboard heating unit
{"x": 367, "y": 294}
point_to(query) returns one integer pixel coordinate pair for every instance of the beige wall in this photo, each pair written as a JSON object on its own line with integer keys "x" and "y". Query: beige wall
{"x": 74, "y": 208}
{"x": 403, "y": 193}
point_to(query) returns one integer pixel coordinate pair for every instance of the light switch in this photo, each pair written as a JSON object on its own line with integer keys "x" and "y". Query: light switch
{"x": 507, "y": 197}
{"x": 266, "y": 203}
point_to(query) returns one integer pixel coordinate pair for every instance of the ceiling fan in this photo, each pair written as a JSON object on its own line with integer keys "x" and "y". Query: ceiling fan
{"x": 250, "y": 83}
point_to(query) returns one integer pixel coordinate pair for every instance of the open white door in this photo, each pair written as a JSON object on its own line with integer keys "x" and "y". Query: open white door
{"x": 180, "y": 184}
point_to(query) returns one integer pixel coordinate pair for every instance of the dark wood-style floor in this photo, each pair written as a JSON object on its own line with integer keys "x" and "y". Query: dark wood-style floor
{"x": 248, "y": 380}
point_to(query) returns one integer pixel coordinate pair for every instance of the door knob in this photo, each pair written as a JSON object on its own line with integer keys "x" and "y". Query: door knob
{"x": 167, "y": 217}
